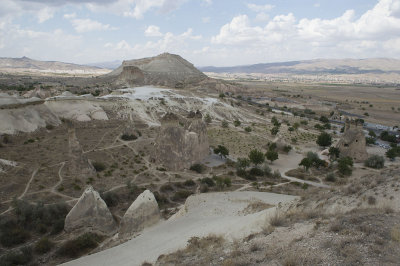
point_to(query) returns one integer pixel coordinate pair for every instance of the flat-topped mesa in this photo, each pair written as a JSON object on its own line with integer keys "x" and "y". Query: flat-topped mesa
{"x": 352, "y": 143}
{"x": 181, "y": 142}
{"x": 165, "y": 69}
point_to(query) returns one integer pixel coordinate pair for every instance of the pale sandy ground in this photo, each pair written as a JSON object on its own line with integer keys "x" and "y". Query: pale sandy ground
{"x": 203, "y": 214}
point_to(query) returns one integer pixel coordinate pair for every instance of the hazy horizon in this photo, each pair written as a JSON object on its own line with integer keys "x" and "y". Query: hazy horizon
{"x": 206, "y": 32}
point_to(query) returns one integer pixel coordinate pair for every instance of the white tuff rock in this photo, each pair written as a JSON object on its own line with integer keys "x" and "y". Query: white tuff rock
{"x": 90, "y": 213}
{"x": 142, "y": 213}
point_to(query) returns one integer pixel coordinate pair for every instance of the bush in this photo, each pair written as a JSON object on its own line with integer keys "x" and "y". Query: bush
{"x": 375, "y": 161}
{"x": 49, "y": 127}
{"x": 128, "y": 137}
{"x": 330, "y": 177}
{"x": 189, "y": 183}
{"x": 21, "y": 257}
{"x": 12, "y": 233}
{"x": 266, "y": 170}
{"x": 236, "y": 123}
{"x": 287, "y": 148}
{"x": 247, "y": 129}
{"x": 224, "y": 124}
{"x": 324, "y": 139}
{"x": 98, "y": 166}
{"x": 344, "y": 166}
{"x": 43, "y": 246}
{"x": 208, "y": 181}
{"x": 80, "y": 245}
{"x": 255, "y": 171}
{"x": 198, "y": 168}
{"x": 110, "y": 198}
{"x": 160, "y": 198}
{"x": 181, "y": 194}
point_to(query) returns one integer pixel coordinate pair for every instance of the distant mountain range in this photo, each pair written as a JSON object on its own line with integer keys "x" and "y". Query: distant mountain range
{"x": 316, "y": 67}
{"x": 108, "y": 65}
{"x": 25, "y": 64}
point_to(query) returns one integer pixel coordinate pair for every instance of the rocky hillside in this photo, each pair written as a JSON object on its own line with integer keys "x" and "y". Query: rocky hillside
{"x": 165, "y": 69}
{"x": 25, "y": 64}
{"x": 318, "y": 66}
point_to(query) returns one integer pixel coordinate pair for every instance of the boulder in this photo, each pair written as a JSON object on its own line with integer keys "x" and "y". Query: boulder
{"x": 90, "y": 213}
{"x": 142, "y": 213}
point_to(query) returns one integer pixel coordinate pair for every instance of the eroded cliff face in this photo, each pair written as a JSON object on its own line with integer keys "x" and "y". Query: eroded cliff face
{"x": 163, "y": 70}
{"x": 181, "y": 142}
{"x": 352, "y": 143}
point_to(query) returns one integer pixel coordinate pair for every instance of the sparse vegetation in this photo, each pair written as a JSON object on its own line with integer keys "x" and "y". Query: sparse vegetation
{"x": 375, "y": 161}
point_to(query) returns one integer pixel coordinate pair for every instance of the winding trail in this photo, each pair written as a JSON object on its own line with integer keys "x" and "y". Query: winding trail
{"x": 29, "y": 183}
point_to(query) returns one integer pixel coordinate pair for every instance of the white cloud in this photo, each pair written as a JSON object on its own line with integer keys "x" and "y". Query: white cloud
{"x": 136, "y": 8}
{"x": 86, "y": 25}
{"x": 70, "y": 16}
{"x": 260, "y": 8}
{"x": 153, "y": 31}
{"x": 45, "y": 14}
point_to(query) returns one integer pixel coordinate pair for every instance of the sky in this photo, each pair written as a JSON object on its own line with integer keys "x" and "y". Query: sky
{"x": 205, "y": 32}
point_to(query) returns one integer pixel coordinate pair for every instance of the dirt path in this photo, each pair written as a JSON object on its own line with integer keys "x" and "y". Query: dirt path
{"x": 29, "y": 183}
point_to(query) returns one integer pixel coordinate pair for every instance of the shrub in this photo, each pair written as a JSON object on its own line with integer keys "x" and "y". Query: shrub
{"x": 287, "y": 148}
{"x": 330, "y": 177}
{"x": 181, "y": 194}
{"x": 236, "y": 123}
{"x": 189, "y": 183}
{"x": 256, "y": 157}
{"x": 344, "y": 166}
{"x": 44, "y": 245}
{"x": 128, "y": 137}
{"x": 277, "y": 219}
{"x": 266, "y": 170}
{"x": 166, "y": 187}
{"x": 208, "y": 181}
{"x": 110, "y": 198}
{"x": 221, "y": 151}
{"x": 99, "y": 166}
{"x": 256, "y": 171}
{"x": 21, "y": 257}
{"x": 375, "y": 161}
{"x": 49, "y": 127}
{"x": 271, "y": 155}
{"x": 242, "y": 163}
{"x": 247, "y": 129}
{"x": 324, "y": 139}
{"x": 80, "y": 245}
{"x": 276, "y": 174}
{"x": 12, "y": 234}
{"x": 224, "y": 124}
{"x": 198, "y": 168}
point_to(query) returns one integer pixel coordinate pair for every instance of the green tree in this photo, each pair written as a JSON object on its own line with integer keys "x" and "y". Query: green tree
{"x": 370, "y": 140}
{"x": 372, "y": 134}
{"x": 334, "y": 153}
{"x": 391, "y": 154}
{"x": 274, "y": 130}
{"x": 221, "y": 151}
{"x": 256, "y": 157}
{"x": 207, "y": 119}
{"x": 324, "y": 139}
{"x": 324, "y": 119}
{"x": 275, "y": 122}
{"x": 345, "y": 166}
{"x": 306, "y": 163}
{"x": 236, "y": 123}
{"x": 271, "y": 155}
{"x": 242, "y": 163}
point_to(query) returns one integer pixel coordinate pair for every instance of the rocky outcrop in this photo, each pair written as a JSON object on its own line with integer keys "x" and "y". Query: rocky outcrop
{"x": 181, "y": 142}
{"x": 352, "y": 143}
{"x": 166, "y": 70}
{"x": 142, "y": 213}
{"x": 90, "y": 213}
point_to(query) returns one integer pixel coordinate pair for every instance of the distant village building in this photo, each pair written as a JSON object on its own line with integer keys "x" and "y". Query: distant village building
{"x": 352, "y": 143}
